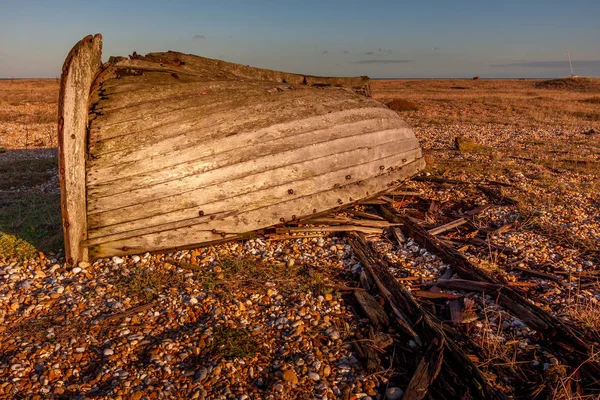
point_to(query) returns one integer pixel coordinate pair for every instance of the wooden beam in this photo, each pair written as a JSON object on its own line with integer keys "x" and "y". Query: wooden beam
{"x": 448, "y": 226}
{"x": 79, "y": 70}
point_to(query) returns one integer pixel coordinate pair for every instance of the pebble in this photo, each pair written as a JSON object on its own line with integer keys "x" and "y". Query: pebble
{"x": 314, "y": 376}
{"x": 394, "y": 393}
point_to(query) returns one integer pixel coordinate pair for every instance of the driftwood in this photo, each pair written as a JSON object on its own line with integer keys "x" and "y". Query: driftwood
{"x": 372, "y": 309}
{"x": 458, "y": 377}
{"x": 538, "y": 274}
{"x": 472, "y": 286}
{"x": 448, "y": 226}
{"x": 339, "y": 228}
{"x": 562, "y": 339}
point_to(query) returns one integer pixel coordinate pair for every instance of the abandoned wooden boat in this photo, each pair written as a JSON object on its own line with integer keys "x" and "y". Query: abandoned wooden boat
{"x": 171, "y": 150}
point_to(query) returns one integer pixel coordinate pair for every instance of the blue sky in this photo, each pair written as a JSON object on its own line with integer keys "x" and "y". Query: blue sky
{"x": 382, "y": 39}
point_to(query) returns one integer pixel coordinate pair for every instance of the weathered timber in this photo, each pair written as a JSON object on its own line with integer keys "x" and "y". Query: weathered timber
{"x": 562, "y": 339}
{"x": 78, "y": 72}
{"x": 172, "y": 150}
{"x": 466, "y": 285}
{"x": 427, "y": 371}
{"x": 372, "y": 309}
{"x": 448, "y": 226}
{"x": 458, "y": 377}
{"x": 538, "y": 274}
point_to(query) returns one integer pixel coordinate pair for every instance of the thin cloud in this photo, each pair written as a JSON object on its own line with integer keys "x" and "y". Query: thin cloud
{"x": 381, "y": 62}
{"x": 369, "y": 53}
{"x": 550, "y": 64}
{"x": 325, "y": 52}
{"x": 346, "y": 52}
{"x": 198, "y": 36}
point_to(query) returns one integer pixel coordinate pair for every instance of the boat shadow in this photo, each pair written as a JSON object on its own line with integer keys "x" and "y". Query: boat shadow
{"x": 30, "y": 216}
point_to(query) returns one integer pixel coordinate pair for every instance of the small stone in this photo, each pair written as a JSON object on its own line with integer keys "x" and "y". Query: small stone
{"x": 291, "y": 262}
{"x": 136, "y": 259}
{"x": 314, "y": 376}
{"x": 117, "y": 260}
{"x": 137, "y": 395}
{"x": 290, "y": 376}
{"x": 394, "y": 393}
{"x": 108, "y": 352}
{"x": 326, "y": 371}
{"x": 328, "y": 297}
{"x": 83, "y": 264}
{"x": 76, "y": 270}
{"x": 278, "y": 387}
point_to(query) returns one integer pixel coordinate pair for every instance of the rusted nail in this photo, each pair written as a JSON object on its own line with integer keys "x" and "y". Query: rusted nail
{"x": 404, "y": 160}
{"x": 293, "y": 217}
{"x": 382, "y": 167}
{"x": 282, "y": 219}
{"x": 124, "y": 248}
{"x": 340, "y": 201}
{"x": 290, "y": 191}
{"x": 348, "y": 177}
{"x": 201, "y": 213}
{"x": 214, "y": 231}
{"x": 314, "y": 210}
{"x": 212, "y": 217}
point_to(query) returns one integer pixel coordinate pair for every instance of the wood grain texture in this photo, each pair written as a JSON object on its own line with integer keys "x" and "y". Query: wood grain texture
{"x": 79, "y": 70}
{"x": 183, "y": 150}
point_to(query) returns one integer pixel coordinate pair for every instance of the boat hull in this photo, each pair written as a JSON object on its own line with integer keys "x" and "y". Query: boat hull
{"x": 181, "y": 150}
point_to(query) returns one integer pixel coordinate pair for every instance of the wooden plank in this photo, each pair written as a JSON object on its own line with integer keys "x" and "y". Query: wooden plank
{"x": 79, "y": 69}
{"x": 220, "y": 154}
{"x": 205, "y": 140}
{"x": 366, "y": 215}
{"x": 427, "y": 371}
{"x": 538, "y": 274}
{"x": 286, "y": 166}
{"x": 426, "y": 294}
{"x": 338, "y": 228}
{"x": 372, "y": 309}
{"x": 467, "y": 285}
{"x": 248, "y": 220}
{"x": 448, "y": 226}
{"x": 189, "y": 207}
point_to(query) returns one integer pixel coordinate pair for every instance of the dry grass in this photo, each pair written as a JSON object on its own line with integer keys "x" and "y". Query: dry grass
{"x": 522, "y": 102}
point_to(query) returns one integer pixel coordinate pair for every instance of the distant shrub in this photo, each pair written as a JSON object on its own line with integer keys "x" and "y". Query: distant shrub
{"x": 402, "y": 105}
{"x": 576, "y": 84}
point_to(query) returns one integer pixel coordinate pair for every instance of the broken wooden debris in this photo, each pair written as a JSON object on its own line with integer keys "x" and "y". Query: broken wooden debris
{"x": 559, "y": 337}
{"x": 448, "y": 372}
{"x": 340, "y": 228}
{"x": 372, "y": 309}
{"x": 448, "y": 226}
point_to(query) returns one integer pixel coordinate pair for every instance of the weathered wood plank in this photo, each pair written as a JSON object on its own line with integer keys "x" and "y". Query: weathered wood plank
{"x": 79, "y": 69}
{"x": 218, "y": 136}
{"x": 262, "y": 171}
{"x": 169, "y": 214}
{"x": 255, "y": 219}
